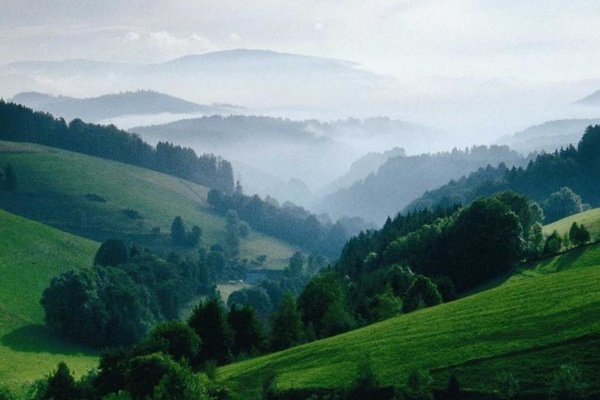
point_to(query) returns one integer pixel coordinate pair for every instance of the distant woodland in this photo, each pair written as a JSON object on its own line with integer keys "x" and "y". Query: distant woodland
{"x": 402, "y": 179}
{"x": 24, "y": 125}
{"x": 562, "y": 182}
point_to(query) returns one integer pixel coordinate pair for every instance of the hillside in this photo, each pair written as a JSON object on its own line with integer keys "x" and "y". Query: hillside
{"x": 548, "y": 136}
{"x": 590, "y": 219}
{"x": 93, "y": 198}
{"x": 31, "y": 254}
{"x": 591, "y": 100}
{"x": 574, "y": 167}
{"x": 95, "y": 109}
{"x": 402, "y": 179}
{"x": 290, "y": 159}
{"x": 529, "y": 325}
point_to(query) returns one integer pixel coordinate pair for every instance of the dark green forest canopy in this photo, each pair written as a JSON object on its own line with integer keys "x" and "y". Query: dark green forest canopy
{"x": 292, "y": 224}
{"x": 574, "y": 168}
{"x": 21, "y": 124}
{"x": 469, "y": 245}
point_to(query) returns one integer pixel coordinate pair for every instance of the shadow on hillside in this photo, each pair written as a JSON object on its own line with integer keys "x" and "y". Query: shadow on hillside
{"x": 39, "y": 339}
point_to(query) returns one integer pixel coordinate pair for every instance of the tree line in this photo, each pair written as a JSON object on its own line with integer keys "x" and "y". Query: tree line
{"x": 21, "y": 124}
{"x": 402, "y": 266}
{"x": 561, "y": 182}
{"x": 290, "y": 223}
{"x": 126, "y": 292}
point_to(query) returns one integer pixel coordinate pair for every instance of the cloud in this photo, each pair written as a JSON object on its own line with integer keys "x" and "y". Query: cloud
{"x": 174, "y": 46}
{"x": 132, "y": 37}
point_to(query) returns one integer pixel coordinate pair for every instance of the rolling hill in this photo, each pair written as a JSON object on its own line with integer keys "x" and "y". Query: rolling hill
{"x": 96, "y": 109}
{"x": 590, "y": 219}
{"x": 31, "y": 254}
{"x": 537, "y": 319}
{"x": 100, "y": 199}
{"x": 548, "y": 136}
{"x": 256, "y": 78}
{"x": 591, "y": 100}
{"x": 401, "y": 179}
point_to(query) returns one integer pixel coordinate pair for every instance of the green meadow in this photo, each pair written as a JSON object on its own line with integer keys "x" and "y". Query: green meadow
{"x": 545, "y": 315}
{"x": 590, "y": 219}
{"x": 31, "y": 254}
{"x": 99, "y": 199}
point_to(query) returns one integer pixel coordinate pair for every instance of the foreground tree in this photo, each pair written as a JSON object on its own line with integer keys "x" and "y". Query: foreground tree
{"x": 286, "y": 323}
{"x": 111, "y": 253}
{"x": 422, "y": 293}
{"x": 210, "y": 323}
{"x": 61, "y": 385}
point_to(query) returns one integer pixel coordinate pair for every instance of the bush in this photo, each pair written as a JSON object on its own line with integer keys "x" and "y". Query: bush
{"x": 567, "y": 383}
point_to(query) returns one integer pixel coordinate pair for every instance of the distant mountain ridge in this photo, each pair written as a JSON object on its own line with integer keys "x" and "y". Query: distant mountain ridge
{"x": 591, "y": 100}
{"x": 255, "y": 78}
{"x": 548, "y": 136}
{"x": 281, "y": 157}
{"x": 402, "y": 179}
{"x": 96, "y": 109}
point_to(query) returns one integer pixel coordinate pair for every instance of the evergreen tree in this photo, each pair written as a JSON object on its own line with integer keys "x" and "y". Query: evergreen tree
{"x": 61, "y": 385}
{"x": 178, "y": 231}
{"x": 8, "y": 179}
{"x": 578, "y": 234}
{"x": 248, "y": 332}
{"x": 210, "y": 323}
{"x": 286, "y": 324}
{"x": 295, "y": 268}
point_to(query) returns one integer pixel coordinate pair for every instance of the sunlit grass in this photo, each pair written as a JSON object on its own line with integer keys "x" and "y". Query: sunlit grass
{"x": 54, "y": 185}
{"x": 529, "y": 325}
{"x": 590, "y": 219}
{"x": 31, "y": 254}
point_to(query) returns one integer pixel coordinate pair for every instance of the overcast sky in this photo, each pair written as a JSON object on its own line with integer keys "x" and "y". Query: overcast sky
{"x": 540, "y": 39}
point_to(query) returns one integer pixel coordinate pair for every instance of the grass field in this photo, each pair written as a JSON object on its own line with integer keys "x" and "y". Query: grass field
{"x": 90, "y": 197}
{"x": 591, "y": 220}
{"x": 545, "y": 315}
{"x": 31, "y": 254}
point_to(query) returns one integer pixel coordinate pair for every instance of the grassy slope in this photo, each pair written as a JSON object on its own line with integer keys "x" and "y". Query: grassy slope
{"x": 543, "y": 316}
{"x": 591, "y": 220}
{"x": 30, "y": 255}
{"x": 53, "y": 185}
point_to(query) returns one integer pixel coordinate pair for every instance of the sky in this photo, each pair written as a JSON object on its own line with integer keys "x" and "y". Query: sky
{"x": 534, "y": 39}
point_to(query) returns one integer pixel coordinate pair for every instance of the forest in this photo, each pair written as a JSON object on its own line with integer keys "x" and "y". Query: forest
{"x": 21, "y": 124}
{"x": 562, "y": 182}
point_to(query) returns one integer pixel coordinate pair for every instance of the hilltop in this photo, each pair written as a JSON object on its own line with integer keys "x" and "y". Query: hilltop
{"x": 591, "y": 100}
{"x": 256, "y": 78}
{"x": 31, "y": 254}
{"x": 95, "y": 109}
{"x": 548, "y": 136}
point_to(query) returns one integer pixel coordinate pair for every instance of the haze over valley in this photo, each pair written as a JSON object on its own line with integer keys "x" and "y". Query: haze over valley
{"x": 299, "y": 200}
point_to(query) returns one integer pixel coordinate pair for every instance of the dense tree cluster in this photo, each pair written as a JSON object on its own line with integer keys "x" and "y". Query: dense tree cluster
{"x": 116, "y": 301}
{"x": 400, "y": 180}
{"x": 181, "y": 237}
{"x": 290, "y": 223}
{"x": 21, "y": 124}
{"x": 422, "y": 258}
{"x": 554, "y": 180}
